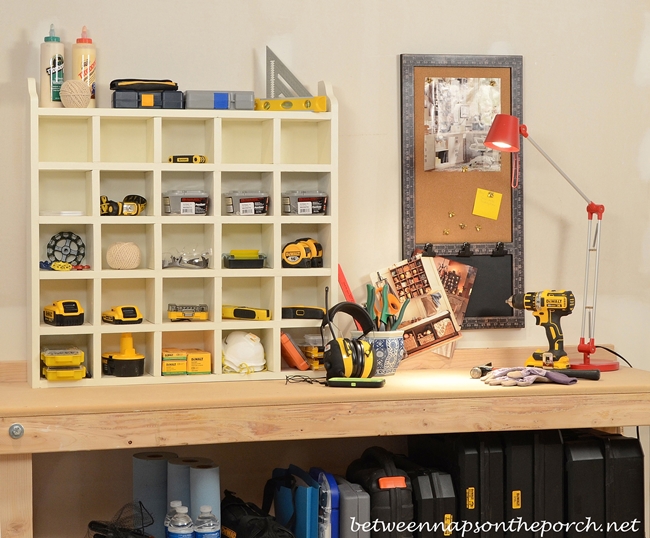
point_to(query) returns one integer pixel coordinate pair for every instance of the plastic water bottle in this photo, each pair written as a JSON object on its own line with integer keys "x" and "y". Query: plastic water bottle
{"x": 181, "y": 525}
{"x": 207, "y": 525}
{"x": 172, "y": 512}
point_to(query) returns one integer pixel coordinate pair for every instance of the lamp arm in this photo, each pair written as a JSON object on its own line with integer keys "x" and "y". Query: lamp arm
{"x": 586, "y": 198}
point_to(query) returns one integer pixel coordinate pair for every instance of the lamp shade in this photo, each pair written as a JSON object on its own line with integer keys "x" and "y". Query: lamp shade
{"x": 504, "y": 133}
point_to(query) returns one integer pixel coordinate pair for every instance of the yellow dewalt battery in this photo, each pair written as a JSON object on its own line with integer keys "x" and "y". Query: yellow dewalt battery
{"x": 198, "y": 362}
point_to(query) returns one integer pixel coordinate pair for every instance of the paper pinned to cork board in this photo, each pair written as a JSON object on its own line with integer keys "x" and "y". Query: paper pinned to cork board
{"x": 487, "y": 204}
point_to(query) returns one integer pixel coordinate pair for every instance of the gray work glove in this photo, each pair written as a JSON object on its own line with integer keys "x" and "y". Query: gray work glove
{"x": 523, "y": 376}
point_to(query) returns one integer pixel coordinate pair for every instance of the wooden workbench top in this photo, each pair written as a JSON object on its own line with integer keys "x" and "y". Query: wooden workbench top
{"x": 19, "y": 400}
{"x": 411, "y": 402}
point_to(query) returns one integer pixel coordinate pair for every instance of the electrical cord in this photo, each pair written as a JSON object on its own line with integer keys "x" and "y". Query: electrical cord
{"x": 617, "y": 354}
{"x": 303, "y": 379}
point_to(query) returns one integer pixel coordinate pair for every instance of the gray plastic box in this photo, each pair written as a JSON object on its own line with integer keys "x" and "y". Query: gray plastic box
{"x": 219, "y": 100}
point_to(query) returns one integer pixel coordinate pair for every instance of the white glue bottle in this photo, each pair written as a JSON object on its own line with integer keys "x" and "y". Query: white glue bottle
{"x": 51, "y": 70}
{"x": 84, "y": 62}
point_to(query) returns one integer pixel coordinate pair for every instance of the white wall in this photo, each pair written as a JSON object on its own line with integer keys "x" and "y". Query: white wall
{"x": 586, "y": 101}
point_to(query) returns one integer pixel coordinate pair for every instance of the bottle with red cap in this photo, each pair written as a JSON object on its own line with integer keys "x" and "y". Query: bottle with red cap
{"x": 84, "y": 63}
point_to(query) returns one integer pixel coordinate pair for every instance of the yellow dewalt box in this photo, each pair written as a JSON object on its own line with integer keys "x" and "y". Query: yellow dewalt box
{"x": 198, "y": 362}
{"x": 174, "y": 361}
{"x": 62, "y": 356}
{"x": 174, "y": 367}
{"x": 173, "y": 353}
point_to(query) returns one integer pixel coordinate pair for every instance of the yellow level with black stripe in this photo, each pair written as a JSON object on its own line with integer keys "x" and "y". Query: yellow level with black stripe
{"x": 311, "y": 104}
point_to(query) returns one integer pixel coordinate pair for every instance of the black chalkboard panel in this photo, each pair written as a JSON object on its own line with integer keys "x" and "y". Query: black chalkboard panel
{"x": 492, "y": 287}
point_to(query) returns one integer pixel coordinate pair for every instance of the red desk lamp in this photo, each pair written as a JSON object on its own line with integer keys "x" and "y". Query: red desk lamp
{"x": 504, "y": 136}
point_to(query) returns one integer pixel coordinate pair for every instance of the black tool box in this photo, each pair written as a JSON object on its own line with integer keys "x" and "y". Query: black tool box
{"x": 624, "y": 485}
{"x": 584, "y": 486}
{"x": 548, "y": 480}
{"x": 518, "y": 469}
{"x": 458, "y": 456}
{"x": 434, "y": 499}
{"x": 491, "y": 494}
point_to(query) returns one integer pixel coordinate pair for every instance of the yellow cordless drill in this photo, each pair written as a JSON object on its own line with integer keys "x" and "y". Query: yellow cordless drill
{"x": 548, "y": 307}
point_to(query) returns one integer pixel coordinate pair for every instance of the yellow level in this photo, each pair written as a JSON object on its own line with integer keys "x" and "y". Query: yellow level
{"x": 312, "y": 104}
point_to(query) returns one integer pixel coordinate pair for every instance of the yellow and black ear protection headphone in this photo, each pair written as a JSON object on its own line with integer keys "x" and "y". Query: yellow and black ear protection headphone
{"x": 349, "y": 357}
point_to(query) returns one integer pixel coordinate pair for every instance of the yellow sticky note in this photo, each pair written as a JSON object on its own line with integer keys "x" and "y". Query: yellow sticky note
{"x": 487, "y": 204}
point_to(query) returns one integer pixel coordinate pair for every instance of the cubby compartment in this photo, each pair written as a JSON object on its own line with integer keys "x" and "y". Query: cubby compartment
{"x": 126, "y": 140}
{"x": 249, "y": 237}
{"x": 65, "y": 193}
{"x": 246, "y": 141}
{"x": 138, "y": 292}
{"x": 193, "y": 340}
{"x": 143, "y": 343}
{"x": 251, "y": 292}
{"x": 254, "y": 183}
{"x": 117, "y": 184}
{"x": 190, "y": 296}
{"x": 73, "y": 289}
{"x": 304, "y": 291}
{"x": 306, "y": 142}
{"x": 65, "y": 139}
{"x": 195, "y": 184}
{"x": 248, "y": 360}
{"x": 188, "y": 136}
{"x": 189, "y": 247}
{"x": 128, "y": 241}
{"x": 308, "y": 182}
{"x": 69, "y": 243}
{"x": 83, "y": 342}
{"x": 319, "y": 232}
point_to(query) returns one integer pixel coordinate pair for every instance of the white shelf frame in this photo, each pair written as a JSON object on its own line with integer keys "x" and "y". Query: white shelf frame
{"x": 86, "y": 136}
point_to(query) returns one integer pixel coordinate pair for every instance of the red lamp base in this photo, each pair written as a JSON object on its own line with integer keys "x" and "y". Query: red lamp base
{"x": 596, "y": 364}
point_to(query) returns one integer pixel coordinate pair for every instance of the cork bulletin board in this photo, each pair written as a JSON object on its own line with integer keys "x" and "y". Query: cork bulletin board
{"x": 458, "y": 196}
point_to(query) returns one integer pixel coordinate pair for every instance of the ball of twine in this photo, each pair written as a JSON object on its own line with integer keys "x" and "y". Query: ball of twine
{"x": 123, "y": 256}
{"x": 75, "y": 94}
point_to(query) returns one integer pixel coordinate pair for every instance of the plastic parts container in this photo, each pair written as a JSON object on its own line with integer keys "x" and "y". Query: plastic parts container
{"x": 246, "y": 202}
{"x": 64, "y": 374}
{"x": 304, "y": 203}
{"x": 188, "y": 202}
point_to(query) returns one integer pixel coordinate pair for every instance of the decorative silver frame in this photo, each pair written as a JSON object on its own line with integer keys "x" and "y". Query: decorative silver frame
{"x": 515, "y": 248}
